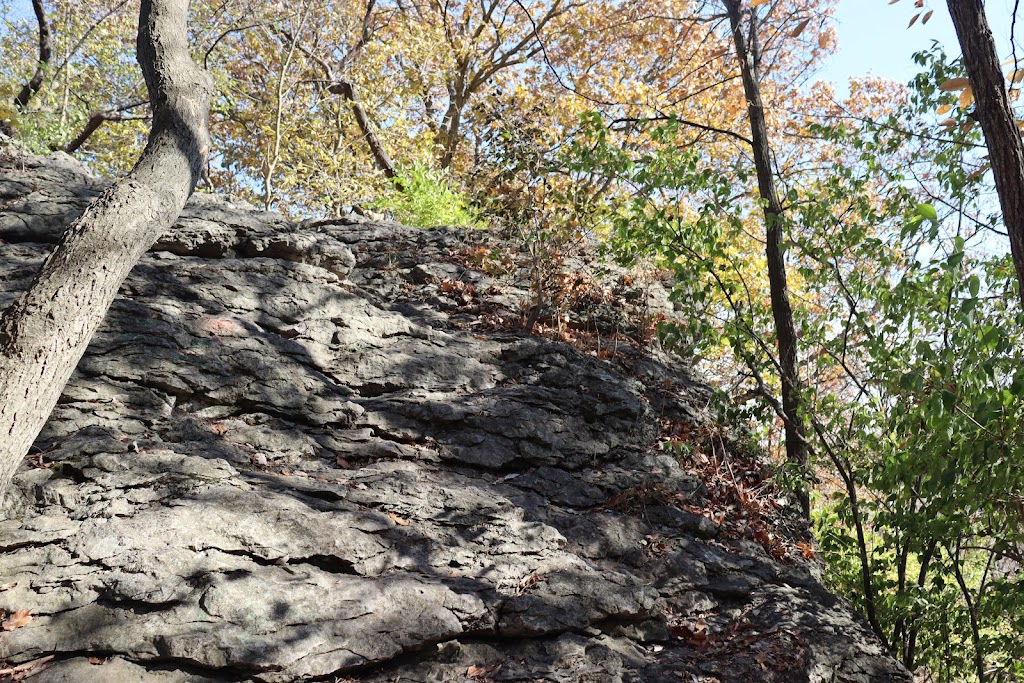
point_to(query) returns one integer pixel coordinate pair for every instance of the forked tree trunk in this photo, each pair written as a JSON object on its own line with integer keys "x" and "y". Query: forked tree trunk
{"x": 45, "y": 332}
{"x": 1005, "y": 148}
{"x": 774, "y": 217}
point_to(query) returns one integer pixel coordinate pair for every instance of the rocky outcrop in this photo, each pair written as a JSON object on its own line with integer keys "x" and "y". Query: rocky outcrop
{"x": 300, "y": 451}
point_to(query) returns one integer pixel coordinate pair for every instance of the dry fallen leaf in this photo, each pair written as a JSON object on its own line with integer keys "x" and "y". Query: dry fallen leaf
{"x": 479, "y": 672}
{"x": 8, "y": 586}
{"x": 16, "y": 620}
{"x": 398, "y": 520}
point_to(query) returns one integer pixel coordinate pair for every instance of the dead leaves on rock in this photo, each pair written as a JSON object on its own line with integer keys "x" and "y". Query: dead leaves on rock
{"x": 16, "y": 620}
{"x": 481, "y": 673}
{"x": 23, "y": 671}
{"x": 742, "y": 498}
{"x": 398, "y": 520}
{"x": 745, "y": 642}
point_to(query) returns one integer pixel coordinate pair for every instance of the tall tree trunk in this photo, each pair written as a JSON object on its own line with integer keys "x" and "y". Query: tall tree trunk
{"x": 45, "y": 55}
{"x": 45, "y": 332}
{"x": 782, "y": 312}
{"x": 1005, "y": 148}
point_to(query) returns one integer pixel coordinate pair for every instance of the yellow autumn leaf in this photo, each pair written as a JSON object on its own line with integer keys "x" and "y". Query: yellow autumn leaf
{"x": 1017, "y": 76}
{"x": 966, "y": 98}
{"x": 944, "y": 109}
{"x": 755, "y": 3}
{"x": 958, "y": 83}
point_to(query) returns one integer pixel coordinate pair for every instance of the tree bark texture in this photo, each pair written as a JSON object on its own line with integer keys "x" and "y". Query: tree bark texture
{"x": 782, "y": 312}
{"x": 45, "y": 55}
{"x": 992, "y": 107}
{"x": 45, "y": 332}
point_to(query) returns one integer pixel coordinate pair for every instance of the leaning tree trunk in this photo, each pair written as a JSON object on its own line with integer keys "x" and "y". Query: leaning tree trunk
{"x": 44, "y": 334}
{"x": 1005, "y": 148}
{"x": 381, "y": 159}
{"x": 785, "y": 329}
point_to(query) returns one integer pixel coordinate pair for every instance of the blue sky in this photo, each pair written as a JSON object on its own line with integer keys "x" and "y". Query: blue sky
{"x": 874, "y": 38}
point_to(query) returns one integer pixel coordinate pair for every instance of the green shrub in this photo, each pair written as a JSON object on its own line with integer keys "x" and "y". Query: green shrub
{"x": 426, "y": 198}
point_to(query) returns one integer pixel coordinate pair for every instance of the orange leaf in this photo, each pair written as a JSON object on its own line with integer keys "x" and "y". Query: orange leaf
{"x": 718, "y": 53}
{"x": 954, "y": 84}
{"x": 16, "y": 620}
{"x": 755, "y": 3}
{"x": 800, "y": 28}
{"x": 398, "y": 520}
{"x": 1017, "y": 76}
{"x": 944, "y": 109}
{"x": 805, "y": 549}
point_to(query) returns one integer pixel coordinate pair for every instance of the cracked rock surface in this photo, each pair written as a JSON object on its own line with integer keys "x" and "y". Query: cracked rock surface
{"x": 288, "y": 455}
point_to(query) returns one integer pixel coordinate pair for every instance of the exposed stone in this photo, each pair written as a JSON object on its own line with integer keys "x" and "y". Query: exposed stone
{"x": 290, "y": 452}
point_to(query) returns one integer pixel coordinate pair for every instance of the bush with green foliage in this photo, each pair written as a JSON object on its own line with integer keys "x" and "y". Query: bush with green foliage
{"x": 426, "y": 198}
{"x": 913, "y": 370}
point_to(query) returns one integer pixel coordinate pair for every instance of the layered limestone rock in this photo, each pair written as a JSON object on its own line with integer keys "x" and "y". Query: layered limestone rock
{"x": 293, "y": 453}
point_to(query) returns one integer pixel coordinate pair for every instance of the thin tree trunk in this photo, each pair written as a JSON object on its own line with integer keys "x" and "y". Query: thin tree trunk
{"x": 45, "y": 55}
{"x": 1005, "y": 148}
{"x": 45, "y": 332}
{"x": 785, "y": 329}
{"x": 380, "y": 155}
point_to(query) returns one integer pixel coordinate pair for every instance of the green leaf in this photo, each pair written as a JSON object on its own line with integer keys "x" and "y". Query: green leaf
{"x": 928, "y": 211}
